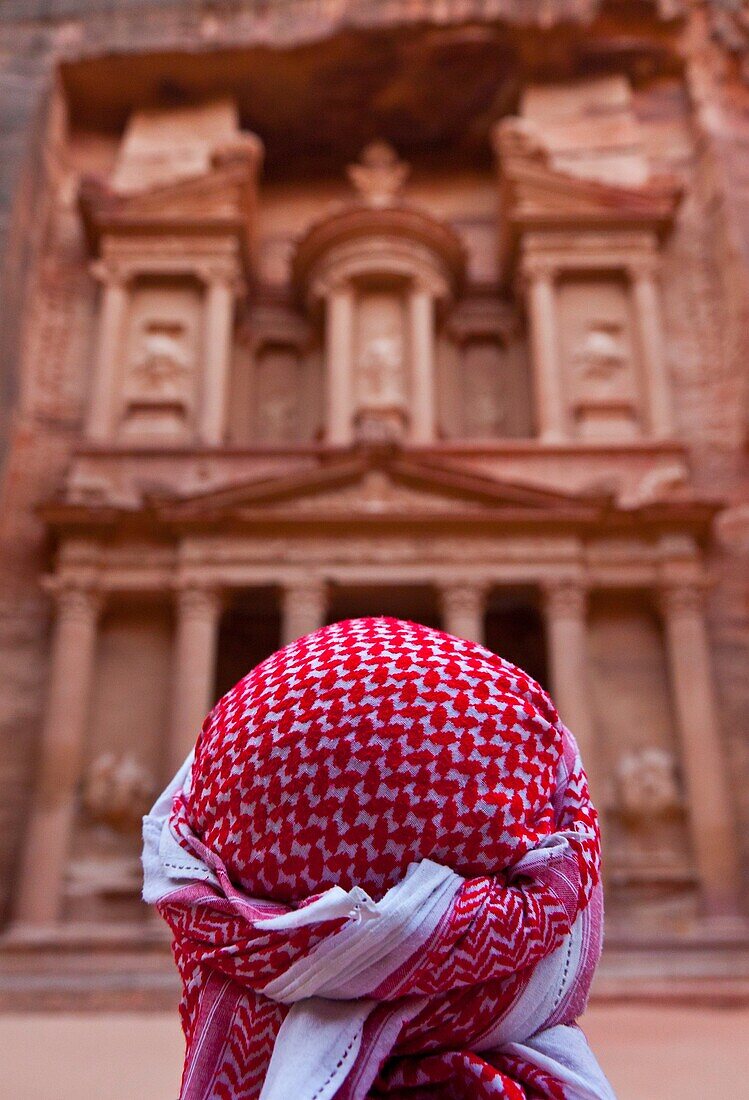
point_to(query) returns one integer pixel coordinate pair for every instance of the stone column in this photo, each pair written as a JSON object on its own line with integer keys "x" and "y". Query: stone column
{"x": 713, "y": 834}
{"x": 198, "y": 613}
{"x": 54, "y": 804}
{"x": 566, "y": 634}
{"x": 648, "y": 314}
{"x": 219, "y": 324}
{"x": 304, "y": 605}
{"x": 463, "y": 610}
{"x": 339, "y": 365}
{"x": 421, "y": 328}
{"x": 100, "y": 422}
{"x": 547, "y": 368}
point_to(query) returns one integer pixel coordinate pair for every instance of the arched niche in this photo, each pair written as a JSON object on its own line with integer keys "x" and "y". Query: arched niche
{"x": 379, "y": 274}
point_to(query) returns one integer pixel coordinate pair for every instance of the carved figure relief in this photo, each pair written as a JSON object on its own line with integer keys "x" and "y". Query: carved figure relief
{"x": 381, "y": 371}
{"x": 485, "y": 410}
{"x": 380, "y": 395}
{"x": 278, "y": 381}
{"x": 649, "y": 805}
{"x": 160, "y": 360}
{"x": 117, "y": 792}
{"x": 600, "y": 366}
{"x": 601, "y": 356}
{"x": 647, "y": 786}
{"x": 164, "y": 361}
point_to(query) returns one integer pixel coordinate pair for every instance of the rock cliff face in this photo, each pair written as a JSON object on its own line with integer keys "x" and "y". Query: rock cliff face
{"x": 632, "y": 118}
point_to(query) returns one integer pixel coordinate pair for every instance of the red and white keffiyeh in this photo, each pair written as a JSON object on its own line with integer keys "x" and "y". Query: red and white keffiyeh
{"x": 381, "y": 872}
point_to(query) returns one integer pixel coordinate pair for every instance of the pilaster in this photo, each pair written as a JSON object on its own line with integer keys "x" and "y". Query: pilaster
{"x": 304, "y": 606}
{"x": 198, "y": 613}
{"x": 712, "y": 828}
{"x": 464, "y": 609}
{"x": 61, "y": 750}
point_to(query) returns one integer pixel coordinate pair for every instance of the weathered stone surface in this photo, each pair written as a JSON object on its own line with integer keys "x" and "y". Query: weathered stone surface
{"x": 625, "y": 158}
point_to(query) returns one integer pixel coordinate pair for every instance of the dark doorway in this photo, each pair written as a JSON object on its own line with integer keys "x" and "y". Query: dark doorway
{"x": 417, "y": 603}
{"x": 250, "y": 631}
{"x": 515, "y": 630}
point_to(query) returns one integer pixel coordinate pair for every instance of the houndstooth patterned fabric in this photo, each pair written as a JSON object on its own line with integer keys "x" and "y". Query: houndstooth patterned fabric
{"x": 343, "y": 760}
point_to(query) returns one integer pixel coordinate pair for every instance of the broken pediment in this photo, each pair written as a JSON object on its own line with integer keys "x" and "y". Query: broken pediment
{"x": 575, "y": 155}
{"x": 223, "y": 197}
{"x": 391, "y": 486}
{"x": 537, "y": 194}
{"x": 177, "y": 170}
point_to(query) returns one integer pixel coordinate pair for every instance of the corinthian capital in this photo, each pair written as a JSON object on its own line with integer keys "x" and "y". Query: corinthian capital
{"x": 678, "y": 600}
{"x": 462, "y": 598}
{"x": 199, "y": 601}
{"x": 307, "y": 598}
{"x": 565, "y": 599}
{"x": 536, "y": 268}
{"x": 81, "y": 602}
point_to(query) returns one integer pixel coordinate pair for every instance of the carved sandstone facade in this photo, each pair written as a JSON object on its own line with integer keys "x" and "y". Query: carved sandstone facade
{"x": 465, "y": 350}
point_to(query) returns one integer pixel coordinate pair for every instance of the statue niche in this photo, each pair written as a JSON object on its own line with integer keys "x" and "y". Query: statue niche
{"x": 158, "y": 388}
{"x": 484, "y": 376}
{"x": 380, "y": 273}
{"x": 278, "y": 389}
{"x": 381, "y": 398}
{"x": 599, "y": 358}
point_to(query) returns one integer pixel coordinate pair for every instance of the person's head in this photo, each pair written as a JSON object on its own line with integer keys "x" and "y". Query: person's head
{"x": 382, "y": 863}
{"x": 368, "y": 745}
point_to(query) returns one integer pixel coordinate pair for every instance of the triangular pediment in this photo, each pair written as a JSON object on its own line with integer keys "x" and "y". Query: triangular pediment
{"x": 366, "y": 486}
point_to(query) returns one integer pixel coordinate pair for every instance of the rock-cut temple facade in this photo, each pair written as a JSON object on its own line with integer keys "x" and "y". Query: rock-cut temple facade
{"x": 321, "y": 309}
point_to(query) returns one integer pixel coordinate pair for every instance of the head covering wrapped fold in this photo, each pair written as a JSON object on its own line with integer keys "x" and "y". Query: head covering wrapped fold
{"x": 381, "y": 872}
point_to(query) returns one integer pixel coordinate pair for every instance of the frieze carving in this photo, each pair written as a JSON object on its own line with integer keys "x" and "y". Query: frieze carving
{"x": 376, "y": 492}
